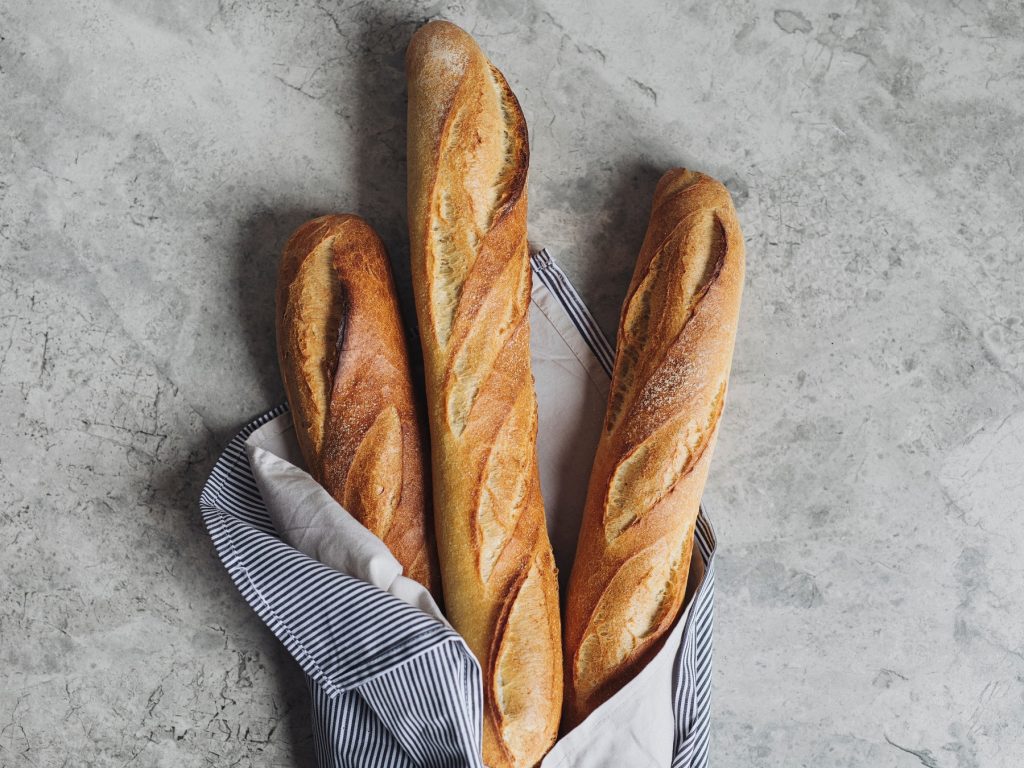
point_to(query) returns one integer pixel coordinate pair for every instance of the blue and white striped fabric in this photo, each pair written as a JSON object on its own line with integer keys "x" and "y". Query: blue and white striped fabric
{"x": 390, "y": 685}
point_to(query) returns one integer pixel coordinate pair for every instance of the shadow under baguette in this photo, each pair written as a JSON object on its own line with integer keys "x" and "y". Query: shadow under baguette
{"x": 380, "y": 151}
{"x": 378, "y": 158}
{"x": 261, "y": 240}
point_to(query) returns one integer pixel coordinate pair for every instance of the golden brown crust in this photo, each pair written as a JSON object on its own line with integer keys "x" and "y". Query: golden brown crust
{"x": 674, "y": 350}
{"x": 346, "y": 372}
{"x": 468, "y": 160}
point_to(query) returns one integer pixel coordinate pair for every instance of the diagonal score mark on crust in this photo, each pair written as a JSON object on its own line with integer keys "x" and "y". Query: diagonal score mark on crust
{"x": 688, "y": 261}
{"x": 516, "y": 145}
{"x": 522, "y": 658}
{"x": 478, "y": 353}
{"x": 316, "y": 351}
{"x": 373, "y": 486}
{"x": 505, "y": 482}
{"x": 635, "y": 334}
{"x": 480, "y": 176}
{"x": 632, "y": 608}
{"x": 674, "y": 449}
{"x": 452, "y": 249}
{"x": 502, "y": 308}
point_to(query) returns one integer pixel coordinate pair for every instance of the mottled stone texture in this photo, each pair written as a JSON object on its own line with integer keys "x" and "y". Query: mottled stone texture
{"x": 869, "y": 478}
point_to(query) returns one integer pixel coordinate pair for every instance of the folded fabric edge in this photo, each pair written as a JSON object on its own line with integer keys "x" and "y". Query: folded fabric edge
{"x": 558, "y": 283}
{"x": 425, "y": 632}
{"x": 266, "y": 453}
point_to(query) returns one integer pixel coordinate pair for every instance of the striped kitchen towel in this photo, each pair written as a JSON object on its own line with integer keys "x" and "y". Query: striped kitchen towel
{"x": 393, "y": 686}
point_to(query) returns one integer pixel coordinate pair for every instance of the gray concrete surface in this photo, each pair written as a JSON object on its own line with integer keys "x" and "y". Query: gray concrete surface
{"x": 868, "y": 483}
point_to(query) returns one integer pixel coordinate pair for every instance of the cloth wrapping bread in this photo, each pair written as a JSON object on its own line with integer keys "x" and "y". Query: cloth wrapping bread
{"x": 392, "y": 684}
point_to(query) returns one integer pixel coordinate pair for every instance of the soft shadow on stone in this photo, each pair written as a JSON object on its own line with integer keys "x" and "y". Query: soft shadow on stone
{"x": 260, "y": 241}
{"x": 378, "y": 158}
{"x": 615, "y": 240}
{"x": 296, "y": 710}
{"x": 379, "y": 154}
{"x": 177, "y": 484}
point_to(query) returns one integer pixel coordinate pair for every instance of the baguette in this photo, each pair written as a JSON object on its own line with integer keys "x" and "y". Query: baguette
{"x": 674, "y": 350}
{"x": 346, "y": 373}
{"x": 468, "y": 159}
